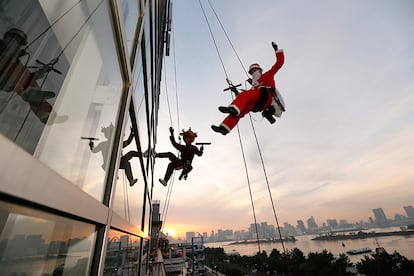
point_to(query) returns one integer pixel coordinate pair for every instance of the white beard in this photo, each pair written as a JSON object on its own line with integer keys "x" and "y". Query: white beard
{"x": 255, "y": 77}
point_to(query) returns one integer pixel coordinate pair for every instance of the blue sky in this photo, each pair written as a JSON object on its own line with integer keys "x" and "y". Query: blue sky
{"x": 343, "y": 147}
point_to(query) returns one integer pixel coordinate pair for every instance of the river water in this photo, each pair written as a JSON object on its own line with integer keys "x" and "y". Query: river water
{"x": 402, "y": 244}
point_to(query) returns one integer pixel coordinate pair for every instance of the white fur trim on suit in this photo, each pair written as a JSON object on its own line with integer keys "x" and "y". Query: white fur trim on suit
{"x": 235, "y": 107}
{"x": 226, "y": 127}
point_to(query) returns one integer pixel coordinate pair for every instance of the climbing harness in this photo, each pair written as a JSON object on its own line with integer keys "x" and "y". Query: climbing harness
{"x": 232, "y": 87}
{"x": 185, "y": 169}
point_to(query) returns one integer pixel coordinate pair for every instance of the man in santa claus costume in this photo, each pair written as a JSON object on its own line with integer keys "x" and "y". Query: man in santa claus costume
{"x": 16, "y": 77}
{"x": 263, "y": 96}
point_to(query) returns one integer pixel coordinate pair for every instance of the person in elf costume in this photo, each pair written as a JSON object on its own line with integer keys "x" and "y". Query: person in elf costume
{"x": 263, "y": 96}
{"x": 187, "y": 153}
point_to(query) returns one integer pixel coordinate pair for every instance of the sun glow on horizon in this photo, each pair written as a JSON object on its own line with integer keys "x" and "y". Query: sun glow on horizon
{"x": 179, "y": 231}
{"x": 170, "y": 232}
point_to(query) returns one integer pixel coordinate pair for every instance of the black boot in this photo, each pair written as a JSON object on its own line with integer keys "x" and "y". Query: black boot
{"x": 163, "y": 182}
{"x": 220, "y": 129}
{"x": 228, "y": 109}
{"x": 132, "y": 183}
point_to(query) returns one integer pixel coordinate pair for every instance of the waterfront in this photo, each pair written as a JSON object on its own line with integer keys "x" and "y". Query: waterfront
{"x": 402, "y": 244}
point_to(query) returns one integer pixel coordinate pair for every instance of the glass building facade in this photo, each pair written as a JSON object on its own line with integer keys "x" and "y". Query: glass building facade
{"x": 79, "y": 90}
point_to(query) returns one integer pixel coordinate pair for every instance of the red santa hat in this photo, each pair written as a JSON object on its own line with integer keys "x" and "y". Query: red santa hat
{"x": 253, "y": 67}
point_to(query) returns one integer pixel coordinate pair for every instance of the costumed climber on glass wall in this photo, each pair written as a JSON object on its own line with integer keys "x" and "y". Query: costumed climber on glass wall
{"x": 187, "y": 153}
{"x": 263, "y": 96}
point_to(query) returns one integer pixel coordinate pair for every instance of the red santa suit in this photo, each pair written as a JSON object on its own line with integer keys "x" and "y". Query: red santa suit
{"x": 15, "y": 77}
{"x": 246, "y": 101}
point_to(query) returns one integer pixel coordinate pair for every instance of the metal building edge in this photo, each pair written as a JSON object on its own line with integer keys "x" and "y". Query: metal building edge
{"x": 26, "y": 181}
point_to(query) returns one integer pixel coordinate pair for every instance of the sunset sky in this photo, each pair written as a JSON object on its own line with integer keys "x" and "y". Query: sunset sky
{"x": 345, "y": 144}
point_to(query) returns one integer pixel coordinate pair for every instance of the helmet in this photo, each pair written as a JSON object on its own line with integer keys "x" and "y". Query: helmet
{"x": 253, "y": 67}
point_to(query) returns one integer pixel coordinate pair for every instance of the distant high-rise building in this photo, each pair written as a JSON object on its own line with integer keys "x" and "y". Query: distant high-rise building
{"x": 301, "y": 226}
{"x": 227, "y": 234}
{"x": 380, "y": 217}
{"x": 189, "y": 236}
{"x": 124, "y": 239}
{"x": 312, "y": 226}
{"x": 263, "y": 230}
{"x": 288, "y": 229}
{"x": 343, "y": 223}
{"x": 399, "y": 217}
{"x": 271, "y": 231}
{"x": 252, "y": 228}
{"x": 332, "y": 223}
{"x": 409, "y": 210}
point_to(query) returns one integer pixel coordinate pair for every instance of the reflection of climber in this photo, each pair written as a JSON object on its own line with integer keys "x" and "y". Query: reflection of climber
{"x": 187, "y": 152}
{"x": 124, "y": 163}
{"x": 103, "y": 147}
{"x": 16, "y": 77}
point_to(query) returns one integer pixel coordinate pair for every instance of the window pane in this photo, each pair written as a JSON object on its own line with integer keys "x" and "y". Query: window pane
{"x": 130, "y": 13}
{"x": 60, "y": 85}
{"x": 38, "y": 243}
{"x": 141, "y": 109}
{"x": 122, "y": 254}
{"x": 147, "y": 218}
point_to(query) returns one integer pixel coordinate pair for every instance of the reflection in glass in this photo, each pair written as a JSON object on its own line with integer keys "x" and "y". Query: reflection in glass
{"x": 122, "y": 254}
{"x": 125, "y": 162}
{"x": 141, "y": 110}
{"x": 129, "y": 190}
{"x": 146, "y": 228}
{"x": 60, "y": 84}
{"x": 130, "y": 13}
{"x": 32, "y": 69}
{"x": 37, "y": 243}
{"x": 90, "y": 96}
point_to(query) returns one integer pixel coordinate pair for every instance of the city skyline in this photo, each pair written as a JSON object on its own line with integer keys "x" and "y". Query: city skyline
{"x": 408, "y": 216}
{"x": 344, "y": 144}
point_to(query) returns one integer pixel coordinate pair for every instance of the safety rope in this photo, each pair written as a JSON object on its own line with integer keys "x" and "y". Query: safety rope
{"x": 80, "y": 29}
{"x": 170, "y": 185}
{"x": 175, "y": 78}
{"x": 166, "y": 93}
{"x": 250, "y": 189}
{"x": 238, "y": 130}
{"x": 270, "y": 195}
{"x": 167, "y": 201}
{"x": 267, "y": 183}
{"x": 214, "y": 40}
{"x": 228, "y": 38}
{"x": 169, "y": 190}
{"x": 51, "y": 25}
